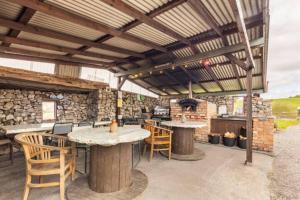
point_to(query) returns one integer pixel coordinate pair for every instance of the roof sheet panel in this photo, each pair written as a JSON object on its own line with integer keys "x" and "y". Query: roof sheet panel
{"x": 96, "y": 10}
{"x": 105, "y": 52}
{"x": 56, "y": 24}
{"x": 91, "y": 58}
{"x": 151, "y": 34}
{"x": 256, "y": 82}
{"x": 3, "y": 30}
{"x": 39, "y": 38}
{"x": 145, "y": 6}
{"x": 223, "y": 71}
{"x": 184, "y": 20}
{"x": 9, "y": 10}
{"x": 122, "y": 43}
{"x": 230, "y": 85}
{"x": 212, "y": 87}
{"x": 37, "y": 49}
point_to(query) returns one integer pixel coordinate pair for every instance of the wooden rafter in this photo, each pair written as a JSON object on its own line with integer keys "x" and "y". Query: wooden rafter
{"x": 8, "y": 73}
{"x": 236, "y": 73}
{"x": 192, "y": 78}
{"x": 47, "y": 60}
{"x": 213, "y": 75}
{"x": 237, "y": 11}
{"x": 52, "y": 56}
{"x": 170, "y": 76}
{"x": 23, "y": 18}
{"x": 159, "y": 10}
{"x": 153, "y": 87}
{"x": 65, "y": 37}
{"x": 32, "y": 43}
{"x": 165, "y": 84}
{"x": 125, "y": 8}
{"x": 193, "y": 58}
{"x": 77, "y": 19}
{"x": 121, "y": 83}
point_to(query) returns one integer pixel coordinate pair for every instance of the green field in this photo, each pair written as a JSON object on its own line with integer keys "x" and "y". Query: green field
{"x": 285, "y": 111}
{"x": 285, "y": 108}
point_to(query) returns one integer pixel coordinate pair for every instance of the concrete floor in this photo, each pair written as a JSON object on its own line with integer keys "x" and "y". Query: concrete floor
{"x": 220, "y": 175}
{"x": 286, "y": 166}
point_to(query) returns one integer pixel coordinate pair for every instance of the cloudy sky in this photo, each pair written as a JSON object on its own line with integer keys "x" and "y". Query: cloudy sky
{"x": 284, "y": 49}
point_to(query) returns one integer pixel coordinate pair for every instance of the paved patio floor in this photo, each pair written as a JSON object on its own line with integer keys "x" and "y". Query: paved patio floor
{"x": 220, "y": 175}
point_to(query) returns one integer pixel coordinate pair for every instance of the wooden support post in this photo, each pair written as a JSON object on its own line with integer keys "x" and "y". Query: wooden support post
{"x": 119, "y": 98}
{"x": 249, "y": 119}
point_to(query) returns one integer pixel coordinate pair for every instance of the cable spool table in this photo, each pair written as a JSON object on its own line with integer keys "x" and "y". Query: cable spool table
{"x": 183, "y": 140}
{"x": 111, "y": 175}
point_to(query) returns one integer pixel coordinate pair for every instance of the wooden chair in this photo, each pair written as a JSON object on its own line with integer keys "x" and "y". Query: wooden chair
{"x": 160, "y": 140}
{"x": 150, "y": 122}
{"x": 8, "y": 143}
{"x": 42, "y": 160}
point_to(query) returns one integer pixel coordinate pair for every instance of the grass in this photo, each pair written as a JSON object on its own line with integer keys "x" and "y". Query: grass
{"x": 284, "y": 123}
{"x": 286, "y": 108}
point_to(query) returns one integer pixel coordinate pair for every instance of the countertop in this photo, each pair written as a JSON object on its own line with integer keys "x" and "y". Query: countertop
{"x": 187, "y": 124}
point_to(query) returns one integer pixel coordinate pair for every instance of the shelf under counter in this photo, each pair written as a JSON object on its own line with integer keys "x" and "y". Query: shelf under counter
{"x": 231, "y": 124}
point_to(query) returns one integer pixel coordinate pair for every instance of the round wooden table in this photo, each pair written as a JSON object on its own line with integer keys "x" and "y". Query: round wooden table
{"x": 111, "y": 155}
{"x": 183, "y": 139}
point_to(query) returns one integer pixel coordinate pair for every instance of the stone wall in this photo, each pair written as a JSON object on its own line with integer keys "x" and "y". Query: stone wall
{"x": 25, "y": 106}
{"x": 260, "y": 107}
{"x": 104, "y": 103}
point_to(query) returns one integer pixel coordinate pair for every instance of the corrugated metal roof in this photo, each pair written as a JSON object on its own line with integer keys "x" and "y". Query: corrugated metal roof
{"x": 151, "y": 34}
{"x": 91, "y": 58}
{"x": 184, "y": 52}
{"x": 145, "y": 6}
{"x": 95, "y": 10}
{"x": 210, "y": 45}
{"x": 119, "y": 42}
{"x": 68, "y": 70}
{"x": 3, "y": 30}
{"x": 36, "y": 49}
{"x": 220, "y": 10}
{"x": 184, "y": 20}
{"x": 46, "y": 21}
{"x": 39, "y": 38}
{"x": 230, "y": 85}
{"x": 9, "y": 10}
{"x": 105, "y": 52}
{"x": 256, "y": 82}
{"x": 197, "y": 89}
{"x": 223, "y": 71}
{"x": 212, "y": 87}
{"x": 251, "y": 7}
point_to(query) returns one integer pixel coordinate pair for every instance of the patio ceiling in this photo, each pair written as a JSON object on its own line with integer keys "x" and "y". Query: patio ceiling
{"x": 158, "y": 44}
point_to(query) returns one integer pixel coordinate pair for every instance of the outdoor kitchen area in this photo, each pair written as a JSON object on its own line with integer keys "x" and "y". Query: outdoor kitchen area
{"x": 127, "y": 99}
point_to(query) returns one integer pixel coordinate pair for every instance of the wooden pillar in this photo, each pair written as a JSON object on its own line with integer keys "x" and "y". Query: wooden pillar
{"x": 118, "y": 106}
{"x": 249, "y": 120}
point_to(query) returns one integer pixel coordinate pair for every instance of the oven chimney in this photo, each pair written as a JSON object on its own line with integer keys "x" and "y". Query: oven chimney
{"x": 190, "y": 90}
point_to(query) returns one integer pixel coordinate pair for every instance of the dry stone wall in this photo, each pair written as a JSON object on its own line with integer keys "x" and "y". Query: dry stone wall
{"x": 25, "y": 106}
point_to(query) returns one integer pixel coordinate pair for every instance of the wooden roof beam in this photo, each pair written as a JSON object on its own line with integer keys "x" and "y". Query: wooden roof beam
{"x": 155, "y": 12}
{"x": 24, "y": 18}
{"x": 202, "y": 11}
{"x": 153, "y": 87}
{"x": 47, "y": 60}
{"x": 237, "y": 11}
{"x": 65, "y": 37}
{"x": 52, "y": 47}
{"x": 170, "y": 76}
{"x": 192, "y": 78}
{"x": 77, "y": 19}
{"x": 43, "y": 78}
{"x": 193, "y": 58}
{"x": 52, "y": 56}
{"x": 125, "y": 8}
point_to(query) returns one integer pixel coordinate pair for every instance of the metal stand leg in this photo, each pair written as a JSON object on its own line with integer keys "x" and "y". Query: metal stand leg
{"x": 85, "y": 159}
{"x": 11, "y": 153}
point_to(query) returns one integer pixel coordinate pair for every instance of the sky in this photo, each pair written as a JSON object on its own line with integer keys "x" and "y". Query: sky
{"x": 284, "y": 49}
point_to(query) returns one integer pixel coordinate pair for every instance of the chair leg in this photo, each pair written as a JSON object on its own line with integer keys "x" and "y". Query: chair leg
{"x": 27, "y": 188}
{"x": 85, "y": 160}
{"x": 145, "y": 148}
{"x": 170, "y": 153}
{"x": 11, "y": 157}
{"x": 62, "y": 188}
{"x": 40, "y": 179}
{"x": 151, "y": 151}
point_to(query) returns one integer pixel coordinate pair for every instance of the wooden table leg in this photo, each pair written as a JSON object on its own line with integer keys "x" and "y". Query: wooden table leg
{"x": 183, "y": 141}
{"x": 110, "y": 168}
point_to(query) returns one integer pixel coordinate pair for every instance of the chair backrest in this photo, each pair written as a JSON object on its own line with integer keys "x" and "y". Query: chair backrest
{"x": 158, "y": 132}
{"x": 85, "y": 123}
{"x": 150, "y": 122}
{"x": 62, "y": 128}
{"x": 34, "y": 144}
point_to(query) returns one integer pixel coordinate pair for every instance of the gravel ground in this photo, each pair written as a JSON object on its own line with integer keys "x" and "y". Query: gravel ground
{"x": 285, "y": 179}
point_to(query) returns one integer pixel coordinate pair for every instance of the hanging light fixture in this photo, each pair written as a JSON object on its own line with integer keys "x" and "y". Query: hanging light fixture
{"x": 205, "y": 62}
